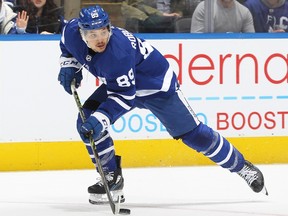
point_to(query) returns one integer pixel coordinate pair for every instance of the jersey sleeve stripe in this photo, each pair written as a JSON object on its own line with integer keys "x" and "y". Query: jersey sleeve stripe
{"x": 121, "y": 103}
{"x": 167, "y": 79}
{"x": 126, "y": 97}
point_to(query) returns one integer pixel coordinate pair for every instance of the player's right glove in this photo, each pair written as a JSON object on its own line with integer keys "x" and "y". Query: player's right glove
{"x": 70, "y": 69}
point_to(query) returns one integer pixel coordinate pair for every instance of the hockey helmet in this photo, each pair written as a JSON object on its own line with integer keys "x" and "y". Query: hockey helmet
{"x": 93, "y": 17}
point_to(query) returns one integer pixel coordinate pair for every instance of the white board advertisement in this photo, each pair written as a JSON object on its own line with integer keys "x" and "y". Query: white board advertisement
{"x": 238, "y": 86}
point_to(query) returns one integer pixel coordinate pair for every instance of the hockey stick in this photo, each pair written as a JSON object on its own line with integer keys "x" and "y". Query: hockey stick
{"x": 114, "y": 207}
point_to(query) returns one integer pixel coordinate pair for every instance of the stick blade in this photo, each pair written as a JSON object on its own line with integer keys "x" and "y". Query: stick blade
{"x": 119, "y": 210}
{"x": 124, "y": 211}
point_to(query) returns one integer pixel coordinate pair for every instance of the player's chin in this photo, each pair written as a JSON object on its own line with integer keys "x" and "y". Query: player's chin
{"x": 100, "y": 48}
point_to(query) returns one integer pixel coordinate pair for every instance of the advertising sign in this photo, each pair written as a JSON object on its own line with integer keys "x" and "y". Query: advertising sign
{"x": 238, "y": 86}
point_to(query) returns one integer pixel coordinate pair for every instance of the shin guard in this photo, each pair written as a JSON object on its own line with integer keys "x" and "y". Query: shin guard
{"x": 106, "y": 152}
{"x": 104, "y": 145}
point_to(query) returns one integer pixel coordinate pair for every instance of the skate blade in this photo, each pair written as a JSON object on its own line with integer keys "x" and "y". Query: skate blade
{"x": 264, "y": 191}
{"x": 102, "y": 199}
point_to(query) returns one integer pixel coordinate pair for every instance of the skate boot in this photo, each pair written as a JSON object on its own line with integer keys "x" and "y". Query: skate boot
{"x": 115, "y": 182}
{"x": 254, "y": 177}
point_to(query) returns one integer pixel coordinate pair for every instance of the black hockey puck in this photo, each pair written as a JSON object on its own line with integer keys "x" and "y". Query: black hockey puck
{"x": 124, "y": 211}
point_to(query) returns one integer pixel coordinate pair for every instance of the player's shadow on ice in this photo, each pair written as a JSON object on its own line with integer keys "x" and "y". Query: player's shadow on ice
{"x": 105, "y": 209}
{"x": 172, "y": 205}
{"x": 98, "y": 209}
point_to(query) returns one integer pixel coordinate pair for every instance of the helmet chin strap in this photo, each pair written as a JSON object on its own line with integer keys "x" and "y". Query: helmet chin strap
{"x": 83, "y": 37}
{"x": 110, "y": 32}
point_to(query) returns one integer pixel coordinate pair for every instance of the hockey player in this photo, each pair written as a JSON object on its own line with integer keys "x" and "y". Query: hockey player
{"x": 134, "y": 74}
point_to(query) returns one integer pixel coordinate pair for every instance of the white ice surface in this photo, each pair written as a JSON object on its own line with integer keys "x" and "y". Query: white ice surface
{"x": 178, "y": 191}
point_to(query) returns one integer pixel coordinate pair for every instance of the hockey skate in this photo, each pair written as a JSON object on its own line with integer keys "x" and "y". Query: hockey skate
{"x": 115, "y": 182}
{"x": 254, "y": 177}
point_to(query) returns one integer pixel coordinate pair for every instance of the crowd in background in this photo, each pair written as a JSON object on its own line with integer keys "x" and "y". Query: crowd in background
{"x": 30, "y": 17}
{"x": 189, "y": 16}
{"x": 155, "y": 16}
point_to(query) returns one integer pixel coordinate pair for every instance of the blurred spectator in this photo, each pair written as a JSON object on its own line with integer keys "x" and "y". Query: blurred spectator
{"x": 163, "y": 5}
{"x": 19, "y": 5}
{"x": 183, "y": 8}
{"x": 188, "y": 7}
{"x": 229, "y": 16}
{"x": 10, "y": 22}
{"x": 11, "y": 3}
{"x": 45, "y": 17}
{"x": 141, "y": 17}
{"x": 241, "y": 1}
{"x": 269, "y": 15}
{"x": 169, "y": 7}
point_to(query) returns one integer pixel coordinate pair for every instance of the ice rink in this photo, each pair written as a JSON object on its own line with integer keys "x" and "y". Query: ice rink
{"x": 177, "y": 191}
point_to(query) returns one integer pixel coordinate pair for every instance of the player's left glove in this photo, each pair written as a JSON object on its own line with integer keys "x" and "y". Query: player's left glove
{"x": 95, "y": 124}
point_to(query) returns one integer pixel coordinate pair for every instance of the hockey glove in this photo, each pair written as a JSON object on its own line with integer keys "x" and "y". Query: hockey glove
{"x": 70, "y": 69}
{"x": 94, "y": 125}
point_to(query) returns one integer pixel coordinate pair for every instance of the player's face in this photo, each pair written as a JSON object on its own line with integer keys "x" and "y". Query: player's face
{"x": 97, "y": 39}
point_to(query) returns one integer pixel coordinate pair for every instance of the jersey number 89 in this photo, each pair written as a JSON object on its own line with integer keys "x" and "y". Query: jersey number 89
{"x": 126, "y": 81}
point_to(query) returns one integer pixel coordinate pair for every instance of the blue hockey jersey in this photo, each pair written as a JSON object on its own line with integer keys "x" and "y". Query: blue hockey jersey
{"x": 130, "y": 67}
{"x": 268, "y": 19}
